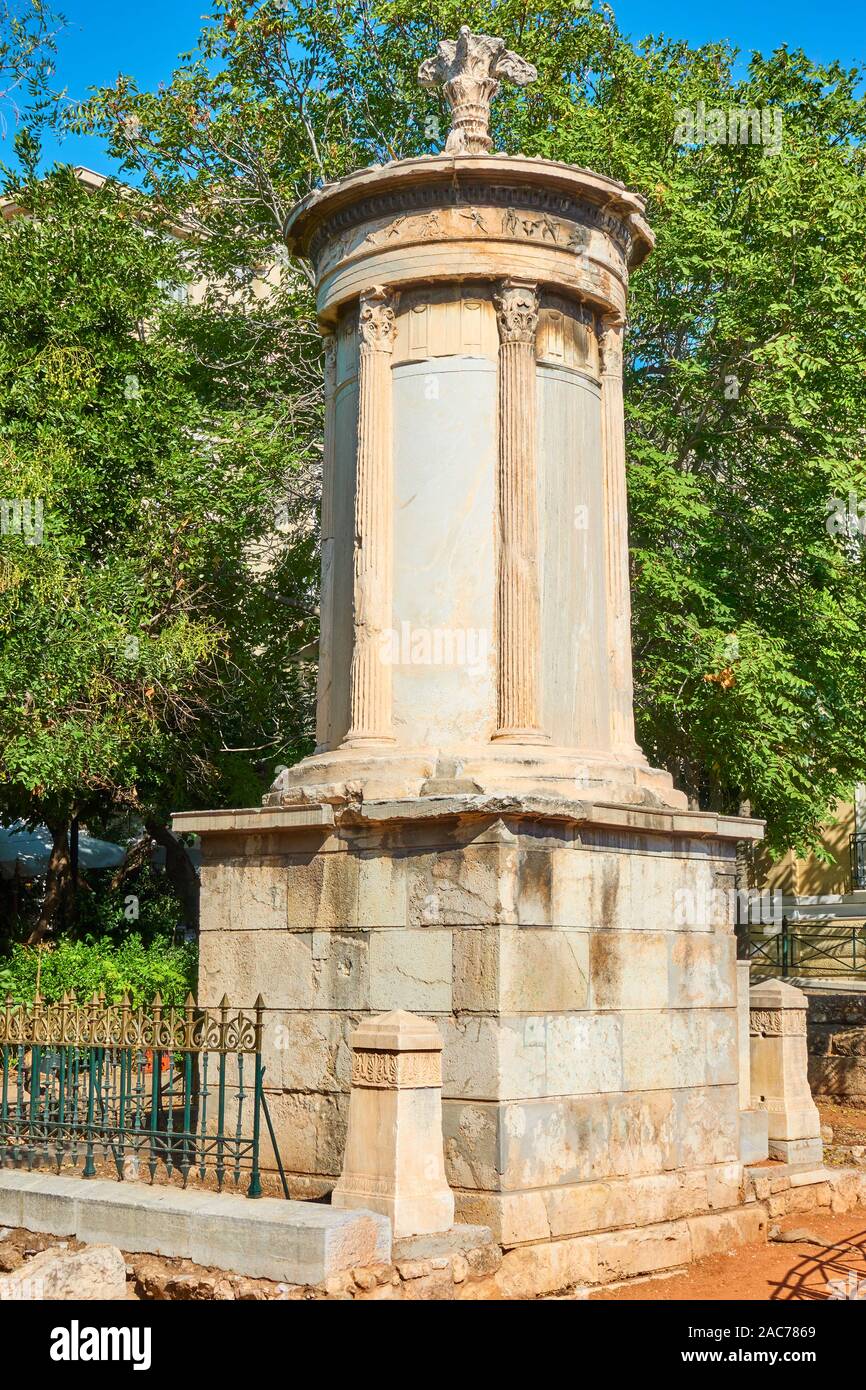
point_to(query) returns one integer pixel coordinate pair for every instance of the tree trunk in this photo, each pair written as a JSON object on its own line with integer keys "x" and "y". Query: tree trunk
{"x": 57, "y": 886}
{"x": 180, "y": 870}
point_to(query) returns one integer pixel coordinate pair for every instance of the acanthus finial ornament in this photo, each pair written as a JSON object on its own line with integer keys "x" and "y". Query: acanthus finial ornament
{"x": 470, "y": 69}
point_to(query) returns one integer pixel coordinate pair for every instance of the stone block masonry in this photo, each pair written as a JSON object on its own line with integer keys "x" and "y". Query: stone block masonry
{"x": 590, "y": 1061}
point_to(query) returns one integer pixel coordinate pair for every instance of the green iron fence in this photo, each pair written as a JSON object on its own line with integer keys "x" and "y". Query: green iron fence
{"x": 165, "y": 1093}
{"x": 806, "y": 949}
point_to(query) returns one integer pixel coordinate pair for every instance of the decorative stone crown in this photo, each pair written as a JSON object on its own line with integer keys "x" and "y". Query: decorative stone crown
{"x": 470, "y": 69}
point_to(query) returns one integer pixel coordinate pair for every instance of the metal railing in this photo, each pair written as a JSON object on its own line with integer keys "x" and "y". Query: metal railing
{"x": 808, "y": 949}
{"x": 165, "y": 1093}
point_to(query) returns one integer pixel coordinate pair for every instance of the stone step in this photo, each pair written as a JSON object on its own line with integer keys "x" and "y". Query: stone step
{"x": 265, "y": 1238}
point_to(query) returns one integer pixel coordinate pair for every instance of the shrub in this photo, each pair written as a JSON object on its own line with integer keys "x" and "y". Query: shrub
{"x": 133, "y": 967}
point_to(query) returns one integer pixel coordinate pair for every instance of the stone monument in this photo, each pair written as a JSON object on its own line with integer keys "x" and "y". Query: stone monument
{"x": 779, "y": 1067}
{"x": 393, "y": 1162}
{"x": 478, "y": 837}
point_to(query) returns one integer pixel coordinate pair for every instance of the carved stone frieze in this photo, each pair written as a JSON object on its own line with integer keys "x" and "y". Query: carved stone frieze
{"x": 390, "y": 1070}
{"x": 776, "y": 1023}
{"x": 525, "y": 213}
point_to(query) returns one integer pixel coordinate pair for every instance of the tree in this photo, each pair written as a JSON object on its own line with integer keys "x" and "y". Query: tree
{"x": 132, "y": 636}
{"x": 28, "y": 39}
{"x": 746, "y": 380}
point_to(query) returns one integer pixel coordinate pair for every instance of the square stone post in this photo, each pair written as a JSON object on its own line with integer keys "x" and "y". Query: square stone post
{"x": 394, "y": 1161}
{"x": 753, "y": 1123}
{"x": 779, "y": 1068}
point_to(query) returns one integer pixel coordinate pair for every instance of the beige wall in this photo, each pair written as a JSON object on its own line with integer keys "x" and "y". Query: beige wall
{"x": 809, "y": 876}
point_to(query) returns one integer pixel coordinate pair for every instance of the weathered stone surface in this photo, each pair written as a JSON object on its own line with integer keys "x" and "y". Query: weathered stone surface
{"x": 623, "y": 1254}
{"x": 624, "y": 891}
{"x": 636, "y": 1201}
{"x": 310, "y": 1130}
{"x": 520, "y": 969}
{"x": 532, "y": 1055}
{"x": 294, "y": 1242}
{"x": 323, "y": 891}
{"x": 839, "y": 1077}
{"x": 754, "y": 1139}
{"x": 97, "y": 1272}
{"x": 706, "y": 1125}
{"x": 575, "y": 1139}
{"x": 531, "y": 1270}
{"x": 10, "y": 1258}
{"x": 243, "y": 896}
{"x": 410, "y": 968}
{"x": 718, "y": 1232}
{"x": 476, "y": 886}
{"x": 382, "y": 890}
{"x": 394, "y": 1161}
{"x": 688, "y": 1047}
{"x": 743, "y": 968}
{"x": 299, "y": 970}
{"x": 702, "y": 970}
{"x": 308, "y": 1050}
{"x": 797, "y": 1150}
{"x": 629, "y": 971}
{"x": 589, "y": 1207}
{"x": 460, "y": 1238}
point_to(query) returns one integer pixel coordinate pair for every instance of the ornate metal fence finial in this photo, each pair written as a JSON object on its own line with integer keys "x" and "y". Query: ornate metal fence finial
{"x": 469, "y": 69}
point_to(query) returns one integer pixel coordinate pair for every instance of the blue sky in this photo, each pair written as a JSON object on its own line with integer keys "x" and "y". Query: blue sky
{"x": 106, "y": 37}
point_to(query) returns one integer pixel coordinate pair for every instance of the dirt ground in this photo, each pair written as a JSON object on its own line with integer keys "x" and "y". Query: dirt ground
{"x": 829, "y": 1259}
{"x": 847, "y": 1122}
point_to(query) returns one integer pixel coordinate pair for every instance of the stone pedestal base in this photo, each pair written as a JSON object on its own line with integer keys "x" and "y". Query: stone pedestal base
{"x": 502, "y": 768}
{"x": 754, "y": 1143}
{"x": 797, "y": 1151}
{"x": 393, "y": 1163}
{"x": 779, "y": 1072}
{"x": 577, "y": 958}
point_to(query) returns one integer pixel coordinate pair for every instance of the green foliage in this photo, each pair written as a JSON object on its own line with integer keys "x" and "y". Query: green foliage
{"x": 144, "y": 905}
{"x": 28, "y": 34}
{"x": 749, "y": 616}
{"x": 131, "y": 967}
{"x": 129, "y": 627}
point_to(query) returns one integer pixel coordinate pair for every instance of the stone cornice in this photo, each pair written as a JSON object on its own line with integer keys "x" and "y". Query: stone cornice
{"x": 498, "y": 179}
{"x": 592, "y": 815}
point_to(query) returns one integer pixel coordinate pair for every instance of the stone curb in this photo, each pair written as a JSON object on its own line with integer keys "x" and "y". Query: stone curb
{"x": 294, "y": 1242}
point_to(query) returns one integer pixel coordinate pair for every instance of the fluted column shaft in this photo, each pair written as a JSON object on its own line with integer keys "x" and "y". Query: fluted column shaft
{"x": 326, "y": 591}
{"x": 622, "y": 737}
{"x": 370, "y": 687}
{"x": 518, "y": 602}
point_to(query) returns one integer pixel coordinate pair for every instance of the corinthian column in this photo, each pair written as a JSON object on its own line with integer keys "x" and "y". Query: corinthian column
{"x": 370, "y": 680}
{"x": 518, "y": 597}
{"x": 622, "y": 739}
{"x": 326, "y": 591}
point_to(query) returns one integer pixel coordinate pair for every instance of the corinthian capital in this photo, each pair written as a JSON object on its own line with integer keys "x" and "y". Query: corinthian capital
{"x": 517, "y": 311}
{"x": 377, "y": 321}
{"x": 469, "y": 70}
